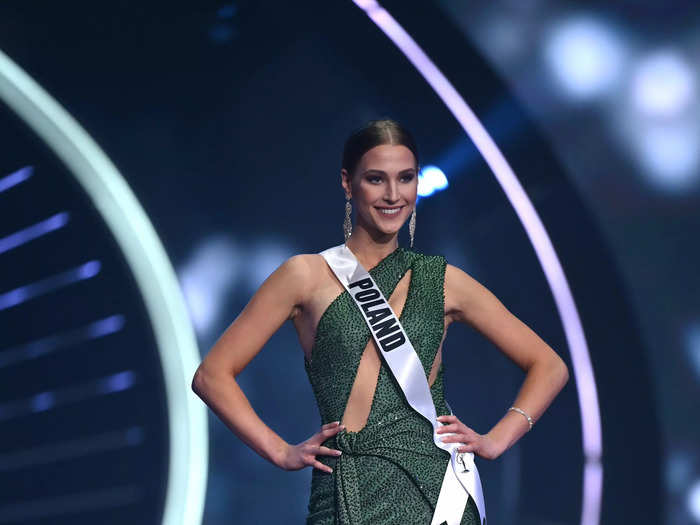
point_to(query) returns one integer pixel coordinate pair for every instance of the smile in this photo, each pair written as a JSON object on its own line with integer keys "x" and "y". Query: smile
{"x": 390, "y": 211}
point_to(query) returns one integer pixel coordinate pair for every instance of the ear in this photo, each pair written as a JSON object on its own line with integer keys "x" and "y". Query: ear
{"x": 345, "y": 181}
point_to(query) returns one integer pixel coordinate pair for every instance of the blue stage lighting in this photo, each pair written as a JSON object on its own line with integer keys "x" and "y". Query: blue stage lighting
{"x": 430, "y": 180}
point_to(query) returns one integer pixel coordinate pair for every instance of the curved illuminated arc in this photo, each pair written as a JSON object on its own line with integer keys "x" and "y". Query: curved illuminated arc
{"x": 546, "y": 254}
{"x": 155, "y": 278}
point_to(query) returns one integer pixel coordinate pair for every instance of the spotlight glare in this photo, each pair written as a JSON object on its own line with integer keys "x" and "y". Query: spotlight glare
{"x": 694, "y": 500}
{"x": 670, "y": 154}
{"x": 663, "y": 84}
{"x": 207, "y": 278}
{"x": 430, "y": 180}
{"x": 585, "y": 56}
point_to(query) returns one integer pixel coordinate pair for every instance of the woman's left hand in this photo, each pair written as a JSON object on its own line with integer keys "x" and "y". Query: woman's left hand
{"x": 482, "y": 445}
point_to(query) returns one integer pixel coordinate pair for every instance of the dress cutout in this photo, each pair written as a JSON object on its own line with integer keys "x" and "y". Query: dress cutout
{"x": 359, "y": 402}
{"x": 390, "y": 472}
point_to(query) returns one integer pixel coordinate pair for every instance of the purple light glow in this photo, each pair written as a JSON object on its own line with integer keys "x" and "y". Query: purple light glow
{"x": 29, "y": 291}
{"x": 15, "y": 178}
{"x": 106, "y": 326}
{"x": 116, "y": 382}
{"x": 51, "y": 343}
{"x": 554, "y": 273}
{"x": 89, "y": 269}
{"x": 12, "y": 298}
{"x": 32, "y": 232}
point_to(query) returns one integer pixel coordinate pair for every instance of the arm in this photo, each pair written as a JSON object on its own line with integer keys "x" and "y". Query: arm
{"x": 469, "y": 302}
{"x": 277, "y": 300}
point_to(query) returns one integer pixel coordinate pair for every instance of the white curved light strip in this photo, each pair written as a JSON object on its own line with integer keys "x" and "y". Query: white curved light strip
{"x": 155, "y": 277}
{"x": 573, "y": 328}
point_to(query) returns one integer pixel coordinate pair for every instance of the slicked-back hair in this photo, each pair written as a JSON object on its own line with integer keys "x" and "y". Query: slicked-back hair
{"x": 376, "y": 133}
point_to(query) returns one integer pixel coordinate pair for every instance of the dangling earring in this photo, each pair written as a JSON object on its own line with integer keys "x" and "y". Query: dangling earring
{"x": 347, "y": 223}
{"x": 412, "y": 225}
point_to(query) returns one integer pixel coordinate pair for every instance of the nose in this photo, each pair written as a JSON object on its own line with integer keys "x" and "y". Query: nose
{"x": 392, "y": 192}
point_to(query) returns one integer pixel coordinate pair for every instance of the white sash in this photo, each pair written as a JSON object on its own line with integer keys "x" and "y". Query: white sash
{"x": 460, "y": 480}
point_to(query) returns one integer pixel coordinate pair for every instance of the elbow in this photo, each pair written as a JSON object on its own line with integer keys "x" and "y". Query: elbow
{"x": 563, "y": 371}
{"x": 556, "y": 369}
{"x": 205, "y": 379}
{"x": 198, "y": 381}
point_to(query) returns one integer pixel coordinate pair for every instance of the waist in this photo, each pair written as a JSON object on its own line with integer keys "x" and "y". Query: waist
{"x": 402, "y": 431}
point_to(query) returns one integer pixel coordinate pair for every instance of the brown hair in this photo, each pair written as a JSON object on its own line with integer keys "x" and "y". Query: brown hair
{"x": 376, "y": 133}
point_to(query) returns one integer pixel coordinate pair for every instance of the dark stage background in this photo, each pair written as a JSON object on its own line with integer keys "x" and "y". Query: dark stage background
{"x": 226, "y": 120}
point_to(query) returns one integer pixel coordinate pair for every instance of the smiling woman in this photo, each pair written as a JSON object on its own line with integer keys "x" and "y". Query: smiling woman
{"x": 389, "y": 449}
{"x": 388, "y": 176}
{"x": 391, "y": 193}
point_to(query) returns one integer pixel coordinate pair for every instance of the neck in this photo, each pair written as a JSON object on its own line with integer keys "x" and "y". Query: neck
{"x": 370, "y": 248}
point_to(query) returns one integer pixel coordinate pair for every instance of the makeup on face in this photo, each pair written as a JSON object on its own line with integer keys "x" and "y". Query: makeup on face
{"x": 385, "y": 186}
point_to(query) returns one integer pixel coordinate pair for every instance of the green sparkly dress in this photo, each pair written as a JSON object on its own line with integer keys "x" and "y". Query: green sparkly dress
{"x": 390, "y": 471}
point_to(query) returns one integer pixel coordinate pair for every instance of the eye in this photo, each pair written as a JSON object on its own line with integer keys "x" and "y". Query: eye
{"x": 374, "y": 179}
{"x": 407, "y": 177}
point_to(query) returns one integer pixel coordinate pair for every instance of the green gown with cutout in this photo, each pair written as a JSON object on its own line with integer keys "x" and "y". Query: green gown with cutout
{"x": 390, "y": 471}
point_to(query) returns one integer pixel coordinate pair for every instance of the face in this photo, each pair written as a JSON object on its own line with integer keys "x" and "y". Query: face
{"x": 383, "y": 188}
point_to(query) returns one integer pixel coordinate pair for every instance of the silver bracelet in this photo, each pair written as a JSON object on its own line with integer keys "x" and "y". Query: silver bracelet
{"x": 529, "y": 419}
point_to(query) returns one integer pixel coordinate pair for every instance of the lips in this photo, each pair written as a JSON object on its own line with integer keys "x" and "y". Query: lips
{"x": 389, "y": 210}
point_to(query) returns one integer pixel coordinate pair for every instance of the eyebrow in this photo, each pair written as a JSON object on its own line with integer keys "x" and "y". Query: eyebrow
{"x": 384, "y": 172}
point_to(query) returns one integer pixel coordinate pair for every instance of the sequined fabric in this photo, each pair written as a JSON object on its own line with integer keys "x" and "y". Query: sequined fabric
{"x": 390, "y": 471}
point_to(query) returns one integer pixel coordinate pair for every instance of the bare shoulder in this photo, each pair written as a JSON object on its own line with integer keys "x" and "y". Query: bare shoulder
{"x": 302, "y": 273}
{"x": 305, "y": 266}
{"x": 298, "y": 271}
{"x": 464, "y": 295}
{"x": 299, "y": 266}
{"x": 457, "y": 280}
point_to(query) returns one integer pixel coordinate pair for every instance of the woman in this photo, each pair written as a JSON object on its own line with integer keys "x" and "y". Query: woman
{"x": 374, "y": 458}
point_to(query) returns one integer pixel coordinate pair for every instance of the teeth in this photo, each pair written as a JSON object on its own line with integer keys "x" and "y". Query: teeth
{"x": 389, "y": 212}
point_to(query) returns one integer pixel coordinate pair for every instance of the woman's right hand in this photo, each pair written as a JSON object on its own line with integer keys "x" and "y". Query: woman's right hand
{"x": 304, "y": 454}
